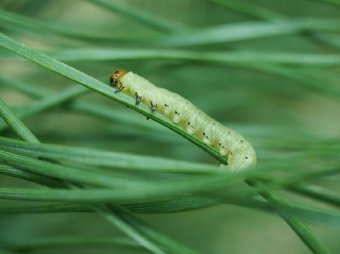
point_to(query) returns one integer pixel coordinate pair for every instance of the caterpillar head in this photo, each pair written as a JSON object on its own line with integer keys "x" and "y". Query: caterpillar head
{"x": 116, "y": 76}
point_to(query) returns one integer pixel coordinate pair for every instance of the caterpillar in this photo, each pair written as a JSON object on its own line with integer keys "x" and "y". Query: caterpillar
{"x": 239, "y": 152}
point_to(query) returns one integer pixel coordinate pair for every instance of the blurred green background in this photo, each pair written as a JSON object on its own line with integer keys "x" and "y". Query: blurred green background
{"x": 268, "y": 69}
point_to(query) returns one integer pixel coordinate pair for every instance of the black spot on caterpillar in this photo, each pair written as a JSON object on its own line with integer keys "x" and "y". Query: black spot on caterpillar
{"x": 241, "y": 154}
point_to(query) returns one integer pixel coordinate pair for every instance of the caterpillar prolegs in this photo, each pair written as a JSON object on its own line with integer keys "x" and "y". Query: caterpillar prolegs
{"x": 240, "y": 153}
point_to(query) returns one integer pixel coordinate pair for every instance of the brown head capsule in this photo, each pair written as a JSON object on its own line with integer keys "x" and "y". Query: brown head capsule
{"x": 116, "y": 76}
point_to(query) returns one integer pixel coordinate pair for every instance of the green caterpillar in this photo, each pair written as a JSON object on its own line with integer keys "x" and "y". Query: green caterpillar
{"x": 241, "y": 154}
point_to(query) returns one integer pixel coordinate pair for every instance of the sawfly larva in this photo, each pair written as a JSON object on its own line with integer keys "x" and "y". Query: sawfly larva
{"x": 239, "y": 152}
